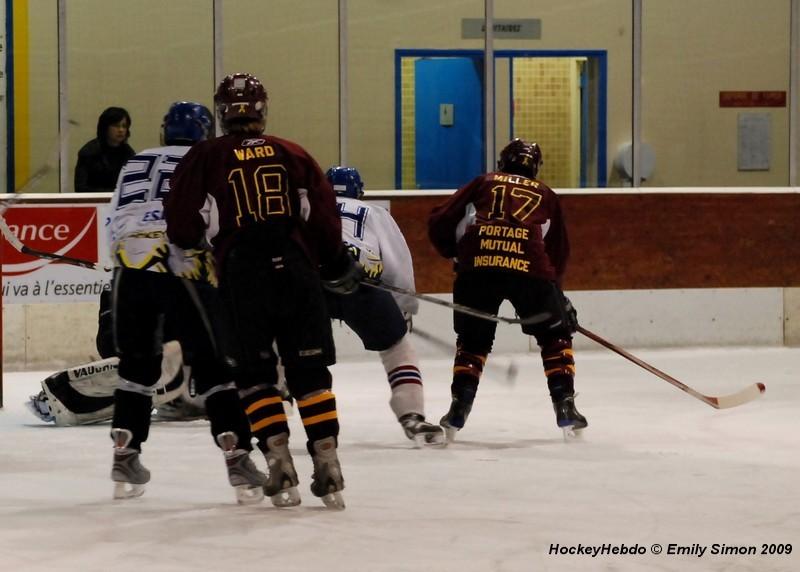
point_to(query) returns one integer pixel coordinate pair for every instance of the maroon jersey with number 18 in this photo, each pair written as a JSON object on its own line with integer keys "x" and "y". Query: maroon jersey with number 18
{"x": 242, "y": 182}
{"x": 503, "y": 222}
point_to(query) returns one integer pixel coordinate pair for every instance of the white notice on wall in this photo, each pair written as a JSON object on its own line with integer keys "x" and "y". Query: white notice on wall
{"x": 754, "y": 141}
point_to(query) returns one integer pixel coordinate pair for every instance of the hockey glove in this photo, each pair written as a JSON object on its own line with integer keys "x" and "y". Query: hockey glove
{"x": 344, "y": 275}
{"x": 570, "y": 315}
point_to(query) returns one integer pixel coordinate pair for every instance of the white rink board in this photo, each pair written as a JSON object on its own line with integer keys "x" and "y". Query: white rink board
{"x": 50, "y": 336}
{"x": 630, "y": 318}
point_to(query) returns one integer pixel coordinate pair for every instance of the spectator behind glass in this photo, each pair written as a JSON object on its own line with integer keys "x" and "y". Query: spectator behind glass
{"x": 101, "y": 159}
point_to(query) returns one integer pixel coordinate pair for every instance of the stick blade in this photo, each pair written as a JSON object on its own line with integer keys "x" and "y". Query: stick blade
{"x": 746, "y": 395}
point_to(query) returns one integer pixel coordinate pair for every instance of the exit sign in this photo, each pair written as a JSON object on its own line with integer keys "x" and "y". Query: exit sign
{"x": 752, "y": 99}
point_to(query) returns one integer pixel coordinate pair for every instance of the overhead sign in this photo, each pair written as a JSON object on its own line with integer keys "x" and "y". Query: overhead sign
{"x": 518, "y": 28}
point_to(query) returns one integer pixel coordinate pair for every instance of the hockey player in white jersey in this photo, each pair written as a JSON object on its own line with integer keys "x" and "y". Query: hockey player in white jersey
{"x": 158, "y": 286}
{"x": 380, "y": 319}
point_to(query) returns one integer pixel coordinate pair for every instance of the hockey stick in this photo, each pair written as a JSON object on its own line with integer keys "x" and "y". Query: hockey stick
{"x": 51, "y": 163}
{"x": 535, "y": 319}
{"x": 509, "y": 375}
{"x": 747, "y": 394}
{"x": 19, "y": 246}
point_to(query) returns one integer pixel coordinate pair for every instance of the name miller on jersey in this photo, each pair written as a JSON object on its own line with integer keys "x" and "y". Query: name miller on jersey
{"x": 515, "y": 180}
{"x": 260, "y": 152}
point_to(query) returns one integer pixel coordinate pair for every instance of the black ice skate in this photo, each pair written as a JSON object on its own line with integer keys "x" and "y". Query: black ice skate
{"x": 127, "y": 472}
{"x": 281, "y": 485}
{"x": 420, "y": 431}
{"x": 568, "y": 418}
{"x": 243, "y": 475}
{"x": 327, "y": 481}
{"x": 454, "y": 420}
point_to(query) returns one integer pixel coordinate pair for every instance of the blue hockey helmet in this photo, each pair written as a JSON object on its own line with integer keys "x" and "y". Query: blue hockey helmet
{"x": 187, "y": 122}
{"x": 346, "y": 182}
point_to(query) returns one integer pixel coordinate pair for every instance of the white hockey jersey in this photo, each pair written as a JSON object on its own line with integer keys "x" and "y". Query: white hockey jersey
{"x": 373, "y": 235}
{"x": 138, "y": 231}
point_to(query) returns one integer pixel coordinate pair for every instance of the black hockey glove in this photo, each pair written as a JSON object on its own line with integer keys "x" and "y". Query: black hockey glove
{"x": 570, "y": 315}
{"x": 343, "y": 275}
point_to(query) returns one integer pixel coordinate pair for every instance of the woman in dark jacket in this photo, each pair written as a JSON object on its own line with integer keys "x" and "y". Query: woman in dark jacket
{"x": 101, "y": 159}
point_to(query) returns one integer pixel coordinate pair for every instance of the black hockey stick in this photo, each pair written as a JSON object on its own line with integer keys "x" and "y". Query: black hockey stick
{"x": 535, "y": 319}
{"x": 19, "y": 246}
{"x": 747, "y": 394}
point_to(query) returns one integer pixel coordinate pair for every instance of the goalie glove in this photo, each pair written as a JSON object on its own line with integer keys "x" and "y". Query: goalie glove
{"x": 344, "y": 275}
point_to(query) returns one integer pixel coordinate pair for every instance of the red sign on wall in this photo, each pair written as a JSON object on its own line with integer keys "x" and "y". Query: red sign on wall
{"x": 68, "y": 231}
{"x": 752, "y": 99}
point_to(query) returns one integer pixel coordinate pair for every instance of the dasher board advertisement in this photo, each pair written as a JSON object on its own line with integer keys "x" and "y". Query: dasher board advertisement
{"x": 69, "y": 230}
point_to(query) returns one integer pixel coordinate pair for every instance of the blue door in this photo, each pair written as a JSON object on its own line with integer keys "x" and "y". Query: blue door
{"x": 448, "y": 121}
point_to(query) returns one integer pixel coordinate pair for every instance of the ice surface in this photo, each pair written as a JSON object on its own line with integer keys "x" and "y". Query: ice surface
{"x": 654, "y": 466}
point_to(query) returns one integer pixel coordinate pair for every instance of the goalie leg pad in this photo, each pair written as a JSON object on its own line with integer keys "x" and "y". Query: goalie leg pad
{"x": 83, "y": 394}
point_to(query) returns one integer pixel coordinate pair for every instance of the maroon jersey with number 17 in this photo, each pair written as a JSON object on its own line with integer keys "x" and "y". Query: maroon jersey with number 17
{"x": 226, "y": 186}
{"x": 503, "y": 222}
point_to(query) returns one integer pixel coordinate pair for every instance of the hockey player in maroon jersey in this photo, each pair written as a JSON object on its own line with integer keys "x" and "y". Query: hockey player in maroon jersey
{"x": 161, "y": 288}
{"x": 270, "y": 215}
{"x": 506, "y": 233}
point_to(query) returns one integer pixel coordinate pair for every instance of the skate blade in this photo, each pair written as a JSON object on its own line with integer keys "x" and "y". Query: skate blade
{"x": 127, "y": 490}
{"x": 333, "y": 501}
{"x": 571, "y": 433}
{"x": 422, "y": 440}
{"x": 286, "y": 498}
{"x": 248, "y": 494}
{"x": 450, "y": 434}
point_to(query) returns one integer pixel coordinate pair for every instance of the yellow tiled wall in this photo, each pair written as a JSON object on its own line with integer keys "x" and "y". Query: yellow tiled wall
{"x": 408, "y": 151}
{"x": 545, "y": 97}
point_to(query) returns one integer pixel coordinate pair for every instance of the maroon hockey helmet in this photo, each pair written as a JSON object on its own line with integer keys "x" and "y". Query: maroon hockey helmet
{"x": 520, "y": 157}
{"x": 240, "y": 98}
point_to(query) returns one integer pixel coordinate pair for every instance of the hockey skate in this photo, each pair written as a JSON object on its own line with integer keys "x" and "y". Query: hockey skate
{"x": 420, "y": 431}
{"x": 455, "y": 419}
{"x": 281, "y": 485}
{"x": 327, "y": 481}
{"x": 568, "y": 418}
{"x": 127, "y": 472}
{"x": 243, "y": 475}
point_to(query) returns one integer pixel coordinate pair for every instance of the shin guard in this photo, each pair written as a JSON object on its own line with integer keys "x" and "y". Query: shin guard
{"x": 319, "y": 415}
{"x": 402, "y": 372}
{"x": 467, "y": 371}
{"x": 559, "y": 367}
{"x": 263, "y": 406}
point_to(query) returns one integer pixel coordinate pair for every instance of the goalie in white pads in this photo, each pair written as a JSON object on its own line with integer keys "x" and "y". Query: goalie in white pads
{"x": 157, "y": 286}
{"x": 84, "y": 394}
{"x": 379, "y": 318}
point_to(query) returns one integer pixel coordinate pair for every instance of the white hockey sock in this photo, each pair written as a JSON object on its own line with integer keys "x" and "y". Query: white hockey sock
{"x": 402, "y": 372}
